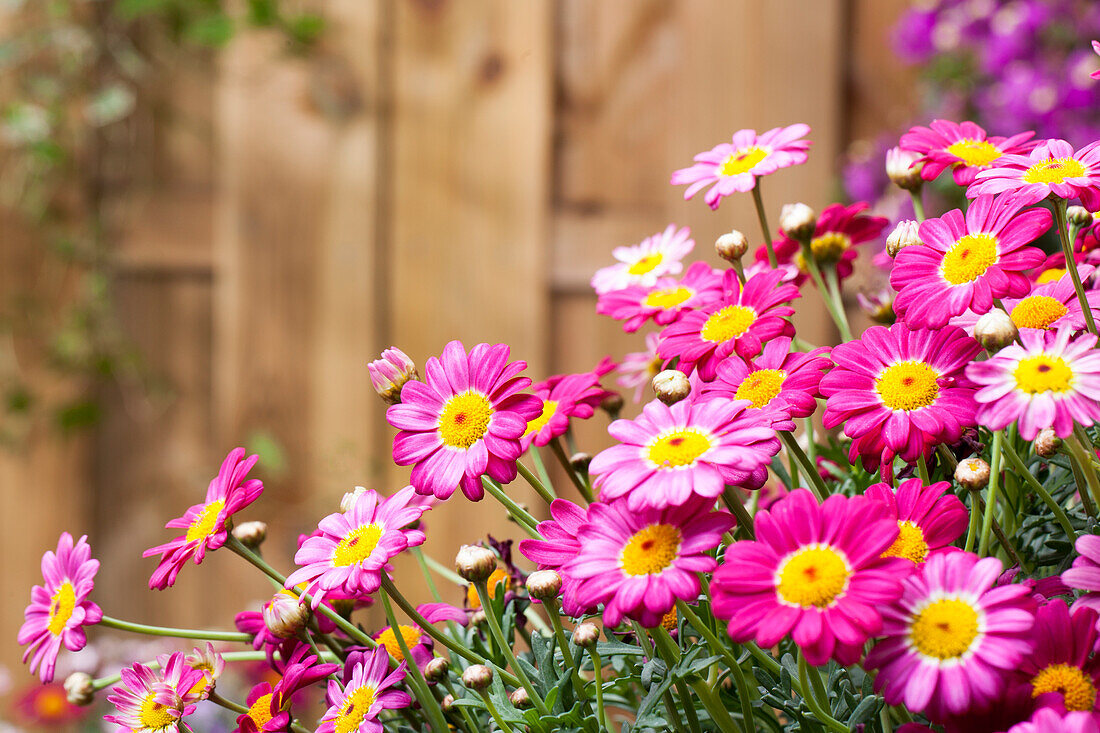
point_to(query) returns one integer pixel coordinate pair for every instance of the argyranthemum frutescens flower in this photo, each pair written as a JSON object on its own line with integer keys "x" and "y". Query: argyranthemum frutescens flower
{"x": 1049, "y": 305}
{"x": 156, "y": 700}
{"x": 563, "y": 397}
{"x": 963, "y": 147}
{"x": 269, "y": 707}
{"x": 355, "y": 707}
{"x": 1062, "y": 661}
{"x": 665, "y": 300}
{"x": 642, "y": 263}
{"x": 559, "y": 546}
{"x": 929, "y": 518}
{"x": 1051, "y": 168}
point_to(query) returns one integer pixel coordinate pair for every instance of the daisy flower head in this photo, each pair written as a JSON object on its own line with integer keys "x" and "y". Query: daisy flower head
{"x": 1061, "y": 662}
{"x": 638, "y": 368}
{"x": 643, "y": 263}
{"x": 207, "y": 524}
{"x": 667, "y": 455}
{"x": 560, "y": 545}
{"x": 734, "y": 166}
{"x": 968, "y": 261}
{"x": 47, "y": 706}
{"x": 419, "y": 644}
{"x": 205, "y": 660}
{"x": 269, "y": 707}
{"x": 1051, "y": 168}
{"x": 354, "y": 547}
{"x": 464, "y": 422}
{"x": 59, "y": 610}
{"x": 964, "y": 147}
{"x": 929, "y": 518}
{"x": 637, "y": 563}
{"x": 1085, "y": 573}
{"x": 740, "y": 323}
{"x": 814, "y": 571}
{"x": 952, "y": 639}
{"x": 155, "y": 701}
{"x": 1050, "y": 305}
{"x": 665, "y": 300}
{"x": 563, "y": 397}
{"x": 1049, "y": 379}
{"x": 900, "y": 392}
{"x": 355, "y": 707}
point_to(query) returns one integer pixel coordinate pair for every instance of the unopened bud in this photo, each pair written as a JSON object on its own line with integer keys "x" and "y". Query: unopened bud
{"x": 995, "y": 330}
{"x": 1079, "y": 216}
{"x": 903, "y": 169}
{"x": 972, "y": 473}
{"x": 475, "y": 563}
{"x": 732, "y": 246}
{"x": 447, "y": 703}
{"x": 1047, "y": 443}
{"x": 79, "y": 689}
{"x": 251, "y": 534}
{"x": 544, "y": 584}
{"x": 612, "y": 404}
{"x": 477, "y": 677}
{"x": 586, "y": 634}
{"x": 436, "y": 669}
{"x": 905, "y": 234}
{"x": 285, "y": 615}
{"x": 579, "y": 462}
{"x": 347, "y": 501}
{"x": 519, "y": 699}
{"x": 797, "y": 221}
{"x": 390, "y": 373}
{"x": 671, "y": 386}
{"x": 477, "y": 618}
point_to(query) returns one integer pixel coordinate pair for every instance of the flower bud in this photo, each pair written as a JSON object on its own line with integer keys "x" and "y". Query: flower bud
{"x": 544, "y": 584}
{"x": 477, "y": 677}
{"x": 447, "y": 703}
{"x": 1047, "y": 443}
{"x": 389, "y": 374}
{"x": 797, "y": 221}
{"x": 586, "y": 634}
{"x": 973, "y": 474}
{"x": 519, "y": 699}
{"x": 436, "y": 669}
{"x": 475, "y": 563}
{"x": 79, "y": 689}
{"x": 579, "y": 462}
{"x": 671, "y": 386}
{"x": 1079, "y": 216}
{"x": 285, "y": 615}
{"x": 612, "y": 404}
{"x": 879, "y": 306}
{"x": 477, "y": 618}
{"x": 732, "y": 246}
{"x": 995, "y": 330}
{"x": 347, "y": 501}
{"x": 903, "y": 169}
{"x": 251, "y": 534}
{"x": 905, "y": 234}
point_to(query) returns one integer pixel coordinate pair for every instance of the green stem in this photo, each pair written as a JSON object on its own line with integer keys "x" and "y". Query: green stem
{"x": 1081, "y": 454}
{"x": 444, "y": 571}
{"x": 114, "y": 623}
{"x": 718, "y": 713}
{"x": 493, "y": 711}
{"x": 419, "y": 684}
{"x": 975, "y": 522}
{"x": 922, "y": 471}
{"x": 544, "y": 475}
{"x": 812, "y": 701}
{"x": 716, "y": 644}
{"x": 744, "y": 519}
{"x": 918, "y": 203}
{"x": 545, "y": 493}
{"x": 418, "y": 553}
{"x": 758, "y": 200}
{"x": 597, "y": 677}
{"x": 793, "y": 448}
{"x": 670, "y": 653}
{"x": 994, "y": 486}
{"x": 839, "y": 319}
{"x": 523, "y": 518}
{"x": 1071, "y": 263}
{"x": 838, "y": 303}
{"x": 482, "y": 588}
{"x": 1021, "y": 468}
{"x": 582, "y": 487}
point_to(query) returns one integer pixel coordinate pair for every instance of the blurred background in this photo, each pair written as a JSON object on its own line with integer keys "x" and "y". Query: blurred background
{"x": 214, "y": 214}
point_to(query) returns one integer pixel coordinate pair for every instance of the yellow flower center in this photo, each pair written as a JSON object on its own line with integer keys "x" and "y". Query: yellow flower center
{"x": 651, "y": 549}
{"x": 969, "y": 258}
{"x": 742, "y": 161}
{"x": 205, "y": 524}
{"x": 830, "y": 246}
{"x": 153, "y": 715}
{"x": 538, "y": 423}
{"x": 645, "y": 264}
{"x": 815, "y": 575}
{"x": 975, "y": 153}
{"x": 50, "y": 703}
{"x": 62, "y": 604}
{"x": 388, "y": 639}
{"x": 910, "y": 543}
{"x": 908, "y": 385}
{"x": 728, "y": 323}
{"x": 668, "y": 621}
{"x": 1037, "y": 311}
{"x": 1049, "y": 276}
{"x": 667, "y": 299}
{"x": 260, "y": 711}
{"x": 355, "y": 708}
{"x": 761, "y": 387}
{"x": 945, "y": 629}
{"x": 496, "y": 579}
{"x": 465, "y": 419}
{"x": 678, "y": 448}
{"x": 1078, "y": 692}
{"x": 357, "y": 545}
{"x": 1043, "y": 373}
{"x": 1054, "y": 170}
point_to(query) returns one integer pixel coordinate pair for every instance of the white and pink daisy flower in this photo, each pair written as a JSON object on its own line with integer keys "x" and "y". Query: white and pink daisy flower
{"x": 355, "y": 707}
{"x": 963, "y": 147}
{"x": 638, "y": 368}
{"x": 665, "y": 301}
{"x": 156, "y": 701}
{"x": 641, "y": 264}
{"x": 1052, "y": 168}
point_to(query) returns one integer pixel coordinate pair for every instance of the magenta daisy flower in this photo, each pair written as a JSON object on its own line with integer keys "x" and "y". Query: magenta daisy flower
{"x": 1085, "y": 573}
{"x": 638, "y": 368}
{"x": 208, "y": 523}
{"x": 1047, "y": 720}
{"x": 967, "y": 262}
{"x": 643, "y": 263}
{"x": 561, "y": 544}
{"x": 355, "y": 547}
{"x": 464, "y": 422}
{"x": 693, "y": 448}
{"x": 1050, "y": 306}
{"x": 816, "y": 572}
{"x": 355, "y": 707}
{"x": 665, "y": 300}
{"x": 155, "y": 701}
{"x": 1052, "y": 168}
{"x": 734, "y": 166}
{"x": 60, "y": 609}
{"x": 637, "y": 563}
{"x": 563, "y": 397}
{"x": 1062, "y": 662}
{"x": 929, "y": 518}
{"x": 1050, "y": 379}
{"x": 739, "y": 323}
{"x": 952, "y": 638}
{"x": 269, "y": 707}
{"x": 963, "y": 147}
{"x": 900, "y": 392}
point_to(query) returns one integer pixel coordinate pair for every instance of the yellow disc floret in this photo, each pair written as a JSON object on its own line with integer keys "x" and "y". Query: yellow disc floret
{"x": 814, "y": 576}
{"x": 975, "y": 153}
{"x": 646, "y": 264}
{"x": 969, "y": 258}
{"x": 742, "y": 161}
{"x": 908, "y": 385}
{"x": 1078, "y": 691}
{"x": 357, "y": 545}
{"x": 1049, "y": 276}
{"x": 945, "y": 629}
{"x": 830, "y": 246}
{"x": 409, "y": 634}
{"x": 1037, "y": 311}
{"x": 761, "y": 387}
{"x": 651, "y": 549}
{"x": 355, "y": 708}
{"x": 910, "y": 543}
{"x": 549, "y": 407}
{"x": 62, "y": 604}
{"x": 678, "y": 448}
{"x": 728, "y": 323}
{"x": 669, "y": 298}
{"x": 1054, "y": 170}
{"x": 1043, "y": 373}
{"x": 465, "y": 419}
{"x": 206, "y": 523}
{"x": 155, "y": 716}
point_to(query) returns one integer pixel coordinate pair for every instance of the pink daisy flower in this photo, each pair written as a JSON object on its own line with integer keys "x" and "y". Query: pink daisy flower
{"x": 464, "y": 422}
{"x": 561, "y": 544}
{"x": 1049, "y": 306}
{"x": 693, "y": 448}
{"x": 355, "y": 707}
{"x": 1085, "y": 573}
{"x": 205, "y": 660}
{"x": 638, "y": 368}
{"x": 208, "y": 523}
{"x": 563, "y": 397}
{"x": 269, "y": 707}
{"x": 900, "y": 392}
{"x": 155, "y": 701}
{"x": 739, "y": 323}
{"x": 1047, "y": 720}
{"x": 638, "y": 562}
{"x": 354, "y": 547}
{"x": 643, "y": 263}
{"x": 1052, "y": 168}
{"x": 60, "y": 609}
{"x": 47, "y": 706}
{"x": 967, "y": 262}
{"x": 965, "y": 148}
{"x": 735, "y": 166}
{"x": 1062, "y": 661}
{"x": 952, "y": 638}
{"x": 1050, "y": 379}
{"x": 665, "y": 300}
{"x": 929, "y": 518}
